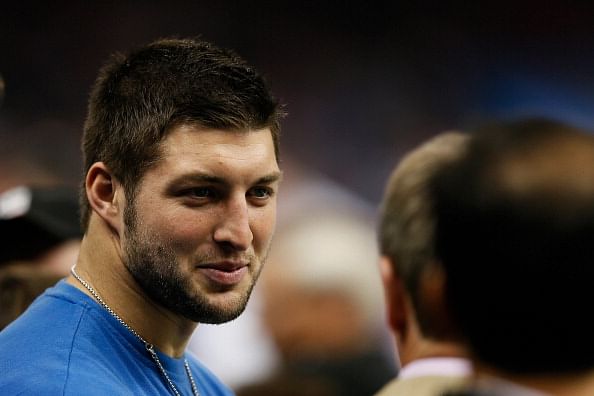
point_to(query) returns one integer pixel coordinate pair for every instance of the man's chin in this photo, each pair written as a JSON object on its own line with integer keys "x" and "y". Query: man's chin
{"x": 218, "y": 310}
{"x": 215, "y": 316}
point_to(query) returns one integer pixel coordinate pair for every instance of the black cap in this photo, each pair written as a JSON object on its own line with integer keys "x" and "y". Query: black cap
{"x": 35, "y": 219}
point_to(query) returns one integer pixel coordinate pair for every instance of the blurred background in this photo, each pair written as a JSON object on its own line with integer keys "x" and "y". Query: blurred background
{"x": 363, "y": 83}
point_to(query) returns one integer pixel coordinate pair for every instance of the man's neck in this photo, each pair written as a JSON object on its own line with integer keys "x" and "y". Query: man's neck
{"x": 100, "y": 264}
{"x": 419, "y": 347}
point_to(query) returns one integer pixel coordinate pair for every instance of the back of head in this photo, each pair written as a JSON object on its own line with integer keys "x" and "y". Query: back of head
{"x": 407, "y": 221}
{"x": 515, "y": 233}
{"x": 323, "y": 303}
{"x": 139, "y": 97}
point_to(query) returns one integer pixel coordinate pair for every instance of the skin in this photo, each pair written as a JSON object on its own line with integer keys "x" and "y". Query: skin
{"x": 202, "y": 218}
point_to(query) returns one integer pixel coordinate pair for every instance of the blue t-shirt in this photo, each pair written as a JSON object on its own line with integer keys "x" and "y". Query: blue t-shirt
{"x": 68, "y": 344}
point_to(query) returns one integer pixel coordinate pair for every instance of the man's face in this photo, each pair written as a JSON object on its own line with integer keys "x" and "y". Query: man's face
{"x": 200, "y": 226}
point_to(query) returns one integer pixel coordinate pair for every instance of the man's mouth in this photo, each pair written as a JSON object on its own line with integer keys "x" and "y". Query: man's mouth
{"x": 228, "y": 273}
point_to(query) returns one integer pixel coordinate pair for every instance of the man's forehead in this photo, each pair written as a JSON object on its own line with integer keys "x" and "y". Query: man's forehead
{"x": 218, "y": 151}
{"x": 190, "y": 154}
{"x": 191, "y": 139}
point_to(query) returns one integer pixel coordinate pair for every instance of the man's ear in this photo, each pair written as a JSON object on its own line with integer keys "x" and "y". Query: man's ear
{"x": 395, "y": 297}
{"x": 105, "y": 194}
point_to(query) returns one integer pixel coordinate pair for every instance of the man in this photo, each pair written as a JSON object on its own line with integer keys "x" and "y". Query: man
{"x": 40, "y": 232}
{"x": 431, "y": 355}
{"x": 179, "y": 205}
{"x": 516, "y": 234}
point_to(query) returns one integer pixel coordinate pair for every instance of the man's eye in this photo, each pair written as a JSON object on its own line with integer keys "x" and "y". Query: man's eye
{"x": 200, "y": 192}
{"x": 260, "y": 192}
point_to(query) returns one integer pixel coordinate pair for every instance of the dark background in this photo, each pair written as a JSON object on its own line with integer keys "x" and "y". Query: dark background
{"x": 363, "y": 81}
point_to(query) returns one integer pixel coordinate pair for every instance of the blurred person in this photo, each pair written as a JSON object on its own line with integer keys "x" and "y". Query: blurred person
{"x": 322, "y": 306}
{"x": 178, "y": 206}
{"x": 431, "y": 355}
{"x": 40, "y": 233}
{"x": 515, "y": 235}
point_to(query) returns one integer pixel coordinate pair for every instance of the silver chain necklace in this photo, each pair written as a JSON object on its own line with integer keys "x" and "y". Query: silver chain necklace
{"x": 149, "y": 347}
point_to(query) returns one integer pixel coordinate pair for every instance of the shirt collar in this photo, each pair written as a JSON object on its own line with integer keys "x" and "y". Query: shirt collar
{"x": 442, "y": 366}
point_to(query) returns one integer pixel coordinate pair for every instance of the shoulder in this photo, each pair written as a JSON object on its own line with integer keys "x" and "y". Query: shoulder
{"x": 43, "y": 384}
{"x": 35, "y": 350}
{"x": 209, "y": 384}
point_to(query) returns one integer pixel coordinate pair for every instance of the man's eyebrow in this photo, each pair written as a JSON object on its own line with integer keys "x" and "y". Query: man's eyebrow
{"x": 209, "y": 178}
{"x": 271, "y": 178}
{"x": 198, "y": 178}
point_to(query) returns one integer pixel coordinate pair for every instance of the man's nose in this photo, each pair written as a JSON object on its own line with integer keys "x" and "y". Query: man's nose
{"x": 234, "y": 226}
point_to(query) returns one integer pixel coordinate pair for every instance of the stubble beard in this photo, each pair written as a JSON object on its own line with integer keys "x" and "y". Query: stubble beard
{"x": 155, "y": 267}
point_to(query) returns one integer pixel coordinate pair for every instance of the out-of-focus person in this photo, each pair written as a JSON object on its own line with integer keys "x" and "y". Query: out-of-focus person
{"x": 322, "y": 306}
{"x": 515, "y": 236}
{"x": 432, "y": 356}
{"x": 40, "y": 233}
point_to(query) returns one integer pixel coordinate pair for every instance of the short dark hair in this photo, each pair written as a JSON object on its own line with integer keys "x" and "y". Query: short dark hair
{"x": 515, "y": 233}
{"x": 139, "y": 97}
{"x": 407, "y": 222}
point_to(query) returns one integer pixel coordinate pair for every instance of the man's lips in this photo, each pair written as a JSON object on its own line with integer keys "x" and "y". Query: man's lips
{"x": 226, "y": 273}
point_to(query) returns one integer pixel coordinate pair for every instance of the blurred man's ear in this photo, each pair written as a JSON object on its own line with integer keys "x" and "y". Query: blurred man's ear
{"x": 433, "y": 301}
{"x": 432, "y": 285}
{"x": 395, "y": 297}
